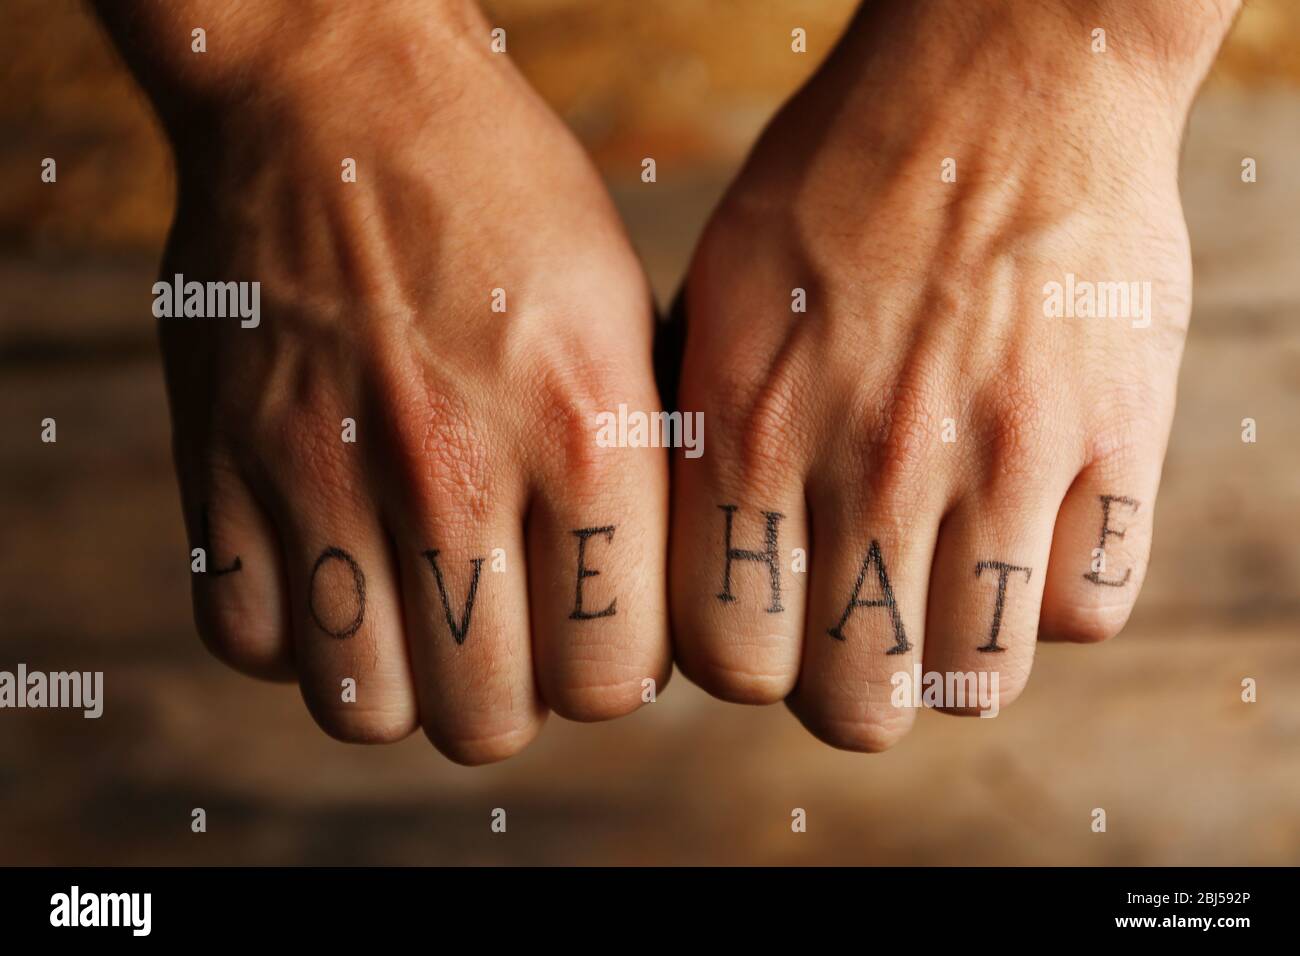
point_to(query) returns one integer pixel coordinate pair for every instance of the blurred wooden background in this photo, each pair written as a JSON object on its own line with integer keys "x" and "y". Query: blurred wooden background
{"x": 92, "y": 574}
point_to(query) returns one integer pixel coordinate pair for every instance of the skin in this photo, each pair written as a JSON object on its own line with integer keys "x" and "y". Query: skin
{"x": 925, "y": 303}
{"x": 374, "y": 560}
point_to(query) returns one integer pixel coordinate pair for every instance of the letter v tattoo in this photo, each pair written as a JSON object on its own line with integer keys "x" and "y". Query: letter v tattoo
{"x": 461, "y": 631}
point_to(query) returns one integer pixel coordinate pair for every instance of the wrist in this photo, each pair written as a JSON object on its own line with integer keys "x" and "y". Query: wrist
{"x": 281, "y": 58}
{"x": 1151, "y": 56}
{"x": 1175, "y": 40}
{"x": 1001, "y": 80}
{"x": 1007, "y": 96}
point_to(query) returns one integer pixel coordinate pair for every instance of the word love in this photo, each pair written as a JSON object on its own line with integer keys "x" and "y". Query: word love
{"x": 337, "y": 590}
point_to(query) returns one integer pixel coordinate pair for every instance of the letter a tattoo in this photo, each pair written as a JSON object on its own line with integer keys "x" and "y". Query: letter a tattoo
{"x": 582, "y": 534}
{"x": 1003, "y": 571}
{"x": 874, "y": 557}
{"x": 768, "y": 556}
{"x": 461, "y": 631}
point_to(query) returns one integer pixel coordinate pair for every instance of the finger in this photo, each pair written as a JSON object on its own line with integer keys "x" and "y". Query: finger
{"x": 347, "y": 626}
{"x": 466, "y": 598}
{"x": 986, "y": 589}
{"x": 1100, "y": 549}
{"x": 737, "y": 608}
{"x": 237, "y": 585}
{"x": 456, "y": 511}
{"x": 866, "y": 623}
{"x": 597, "y": 552}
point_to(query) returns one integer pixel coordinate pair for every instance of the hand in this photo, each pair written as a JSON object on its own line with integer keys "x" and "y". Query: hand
{"x": 966, "y": 473}
{"x": 473, "y": 558}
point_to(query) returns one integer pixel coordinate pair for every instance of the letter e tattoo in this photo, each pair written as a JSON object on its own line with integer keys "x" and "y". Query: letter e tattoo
{"x": 1108, "y": 532}
{"x": 584, "y": 572}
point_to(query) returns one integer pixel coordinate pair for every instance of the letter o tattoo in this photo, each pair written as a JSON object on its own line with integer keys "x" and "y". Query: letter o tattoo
{"x": 359, "y": 581}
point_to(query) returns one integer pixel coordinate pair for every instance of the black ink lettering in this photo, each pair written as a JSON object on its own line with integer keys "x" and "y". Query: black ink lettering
{"x": 768, "y": 556}
{"x": 1108, "y": 532}
{"x": 1003, "y": 571}
{"x": 359, "y": 582}
{"x": 461, "y": 631}
{"x": 584, "y": 572}
{"x": 204, "y": 530}
{"x": 874, "y": 556}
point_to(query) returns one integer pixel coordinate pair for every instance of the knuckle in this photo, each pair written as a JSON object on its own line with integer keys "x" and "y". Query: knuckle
{"x": 294, "y": 418}
{"x": 760, "y": 422}
{"x": 570, "y": 401}
{"x": 302, "y": 457}
{"x": 1121, "y": 446}
{"x": 897, "y": 434}
{"x": 440, "y": 454}
{"x": 1017, "y": 429}
{"x": 303, "y": 442}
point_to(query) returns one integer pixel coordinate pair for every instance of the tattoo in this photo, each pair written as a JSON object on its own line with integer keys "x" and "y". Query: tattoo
{"x": 358, "y": 581}
{"x": 461, "y": 631}
{"x": 874, "y": 556}
{"x": 768, "y": 556}
{"x": 584, "y": 572}
{"x": 206, "y": 534}
{"x": 1108, "y": 532}
{"x": 1003, "y": 571}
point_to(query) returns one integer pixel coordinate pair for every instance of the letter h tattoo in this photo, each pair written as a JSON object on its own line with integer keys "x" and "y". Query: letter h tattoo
{"x": 768, "y": 556}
